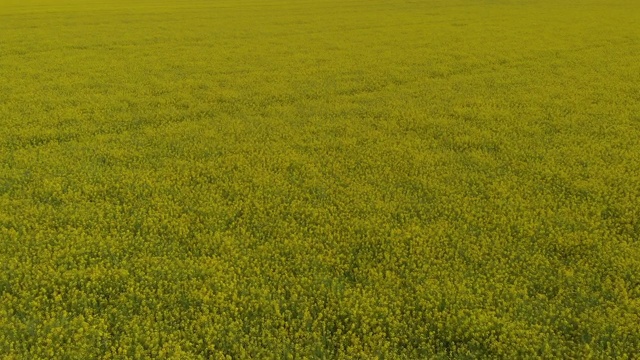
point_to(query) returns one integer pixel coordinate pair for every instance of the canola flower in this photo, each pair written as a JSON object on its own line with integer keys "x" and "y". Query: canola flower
{"x": 330, "y": 179}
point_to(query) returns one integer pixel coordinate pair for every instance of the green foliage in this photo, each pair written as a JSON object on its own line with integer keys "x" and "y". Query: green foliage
{"x": 319, "y": 179}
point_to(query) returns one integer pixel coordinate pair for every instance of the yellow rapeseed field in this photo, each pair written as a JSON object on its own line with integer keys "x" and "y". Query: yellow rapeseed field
{"x": 319, "y": 179}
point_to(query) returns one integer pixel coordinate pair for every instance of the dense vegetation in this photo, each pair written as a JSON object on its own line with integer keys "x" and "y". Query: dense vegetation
{"x": 319, "y": 179}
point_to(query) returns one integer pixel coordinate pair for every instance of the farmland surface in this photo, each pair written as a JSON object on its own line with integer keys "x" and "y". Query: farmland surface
{"x": 319, "y": 179}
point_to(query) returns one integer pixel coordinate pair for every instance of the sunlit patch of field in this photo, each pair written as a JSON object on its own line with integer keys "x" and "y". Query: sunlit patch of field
{"x": 319, "y": 179}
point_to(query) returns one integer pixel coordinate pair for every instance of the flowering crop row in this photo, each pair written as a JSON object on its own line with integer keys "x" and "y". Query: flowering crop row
{"x": 319, "y": 179}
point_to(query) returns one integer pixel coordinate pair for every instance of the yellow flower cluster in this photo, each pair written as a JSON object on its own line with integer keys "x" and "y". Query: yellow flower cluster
{"x": 369, "y": 179}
